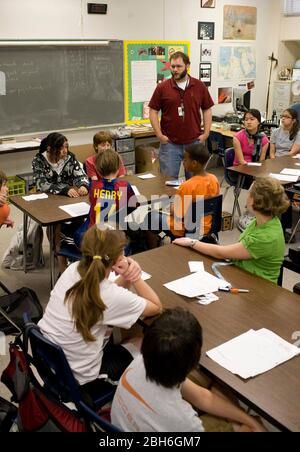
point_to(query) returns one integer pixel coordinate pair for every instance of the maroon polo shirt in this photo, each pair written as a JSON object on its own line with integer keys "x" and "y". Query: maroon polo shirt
{"x": 167, "y": 97}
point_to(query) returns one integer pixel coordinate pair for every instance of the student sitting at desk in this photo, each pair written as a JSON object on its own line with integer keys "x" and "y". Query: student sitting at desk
{"x": 108, "y": 195}
{"x": 5, "y": 217}
{"x": 201, "y": 183}
{"x": 56, "y": 171}
{"x": 101, "y": 141}
{"x": 286, "y": 139}
{"x": 155, "y": 394}
{"x": 250, "y": 145}
{"x": 261, "y": 247}
{"x": 84, "y": 307}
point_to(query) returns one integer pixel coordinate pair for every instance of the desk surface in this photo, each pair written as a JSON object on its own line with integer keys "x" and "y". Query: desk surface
{"x": 225, "y": 133}
{"x": 267, "y": 167}
{"x": 275, "y": 394}
{"x": 47, "y": 211}
{"x": 154, "y": 186}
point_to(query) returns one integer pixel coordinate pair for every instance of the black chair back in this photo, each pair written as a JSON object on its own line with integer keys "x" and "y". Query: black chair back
{"x": 202, "y": 208}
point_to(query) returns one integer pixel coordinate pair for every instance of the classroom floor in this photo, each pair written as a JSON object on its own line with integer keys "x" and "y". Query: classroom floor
{"x": 39, "y": 280}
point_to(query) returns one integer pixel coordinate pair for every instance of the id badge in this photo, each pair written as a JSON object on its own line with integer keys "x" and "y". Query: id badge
{"x": 180, "y": 111}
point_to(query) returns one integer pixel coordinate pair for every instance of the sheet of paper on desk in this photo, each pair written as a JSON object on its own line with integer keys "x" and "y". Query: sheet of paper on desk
{"x": 296, "y": 156}
{"x": 196, "y": 284}
{"x": 196, "y": 266}
{"x": 253, "y": 164}
{"x": 35, "y": 197}
{"x": 253, "y": 353}
{"x": 135, "y": 190}
{"x": 290, "y": 171}
{"x": 76, "y": 209}
{"x": 147, "y": 176}
{"x": 138, "y": 215}
{"x": 284, "y": 177}
{"x": 113, "y": 276}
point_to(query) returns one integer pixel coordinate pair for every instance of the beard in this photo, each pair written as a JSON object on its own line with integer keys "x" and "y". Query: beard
{"x": 180, "y": 77}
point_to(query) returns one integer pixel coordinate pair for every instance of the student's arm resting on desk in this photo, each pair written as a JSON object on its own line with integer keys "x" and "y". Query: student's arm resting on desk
{"x": 272, "y": 151}
{"x": 153, "y": 116}
{"x": 3, "y": 199}
{"x": 236, "y": 251}
{"x": 130, "y": 273}
{"x": 263, "y": 152}
{"x": 294, "y": 150}
{"x": 207, "y": 121}
{"x": 238, "y": 151}
{"x": 216, "y": 405}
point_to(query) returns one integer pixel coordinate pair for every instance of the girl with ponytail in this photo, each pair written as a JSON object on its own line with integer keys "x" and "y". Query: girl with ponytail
{"x": 85, "y": 305}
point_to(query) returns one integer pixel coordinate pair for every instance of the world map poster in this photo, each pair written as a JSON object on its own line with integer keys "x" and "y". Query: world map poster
{"x": 237, "y": 63}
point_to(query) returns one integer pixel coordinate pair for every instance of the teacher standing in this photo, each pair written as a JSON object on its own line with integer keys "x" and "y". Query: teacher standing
{"x": 180, "y": 100}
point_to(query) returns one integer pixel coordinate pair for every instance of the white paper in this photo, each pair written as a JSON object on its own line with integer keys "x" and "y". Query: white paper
{"x": 113, "y": 276}
{"x": 35, "y": 197}
{"x": 138, "y": 215}
{"x": 290, "y": 171}
{"x": 196, "y": 266}
{"x": 253, "y": 353}
{"x": 135, "y": 190}
{"x": 296, "y": 156}
{"x": 284, "y": 177}
{"x": 207, "y": 299}
{"x": 196, "y": 284}
{"x": 77, "y": 209}
{"x": 143, "y": 80}
{"x": 147, "y": 176}
{"x": 254, "y": 164}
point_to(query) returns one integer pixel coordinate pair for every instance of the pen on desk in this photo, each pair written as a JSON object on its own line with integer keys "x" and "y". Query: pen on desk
{"x": 233, "y": 290}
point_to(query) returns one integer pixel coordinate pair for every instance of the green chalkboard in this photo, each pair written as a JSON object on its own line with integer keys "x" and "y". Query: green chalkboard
{"x": 47, "y": 87}
{"x": 146, "y": 64}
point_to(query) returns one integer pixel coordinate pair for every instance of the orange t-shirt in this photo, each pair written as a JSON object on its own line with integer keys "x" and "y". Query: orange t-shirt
{"x": 187, "y": 193}
{"x": 4, "y": 213}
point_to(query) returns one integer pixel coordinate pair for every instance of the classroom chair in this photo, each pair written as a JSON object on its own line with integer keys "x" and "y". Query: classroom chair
{"x": 53, "y": 368}
{"x": 231, "y": 180}
{"x": 297, "y": 108}
{"x": 212, "y": 206}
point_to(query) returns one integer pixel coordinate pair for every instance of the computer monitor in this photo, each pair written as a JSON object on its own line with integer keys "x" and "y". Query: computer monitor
{"x": 241, "y": 100}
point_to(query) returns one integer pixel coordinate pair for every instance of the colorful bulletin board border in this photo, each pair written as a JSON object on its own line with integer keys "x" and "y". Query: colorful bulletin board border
{"x": 146, "y": 63}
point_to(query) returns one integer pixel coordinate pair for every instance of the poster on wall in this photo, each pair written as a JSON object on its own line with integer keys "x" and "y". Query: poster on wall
{"x": 239, "y": 22}
{"x": 237, "y": 63}
{"x": 208, "y": 3}
{"x": 224, "y": 95}
{"x": 206, "y": 53}
{"x": 205, "y": 73}
{"x": 146, "y": 64}
{"x": 206, "y": 30}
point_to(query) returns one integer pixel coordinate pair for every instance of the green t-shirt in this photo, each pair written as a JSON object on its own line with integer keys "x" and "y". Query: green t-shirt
{"x": 265, "y": 243}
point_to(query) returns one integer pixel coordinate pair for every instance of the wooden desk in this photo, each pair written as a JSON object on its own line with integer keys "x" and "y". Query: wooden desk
{"x": 267, "y": 167}
{"x": 223, "y": 132}
{"x": 154, "y": 186}
{"x": 274, "y": 394}
{"x": 45, "y": 212}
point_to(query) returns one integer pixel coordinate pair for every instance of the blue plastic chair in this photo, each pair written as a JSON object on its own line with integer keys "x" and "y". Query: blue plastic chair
{"x": 296, "y": 107}
{"x": 211, "y": 206}
{"x": 231, "y": 179}
{"x": 54, "y": 370}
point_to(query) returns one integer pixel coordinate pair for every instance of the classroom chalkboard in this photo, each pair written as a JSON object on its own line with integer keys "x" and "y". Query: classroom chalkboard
{"x": 55, "y": 87}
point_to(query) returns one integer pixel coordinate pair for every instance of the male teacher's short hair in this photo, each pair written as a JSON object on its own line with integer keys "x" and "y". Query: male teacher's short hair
{"x": 182, "y": 55}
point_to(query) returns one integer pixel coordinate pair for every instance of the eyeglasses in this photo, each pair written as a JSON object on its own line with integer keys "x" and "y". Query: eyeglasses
{"x": 285, "y": 116}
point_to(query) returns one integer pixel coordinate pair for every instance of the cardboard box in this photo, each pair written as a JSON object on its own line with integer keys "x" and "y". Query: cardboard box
{"x": 226, "y": 221}
{"x": 146, "y": 158}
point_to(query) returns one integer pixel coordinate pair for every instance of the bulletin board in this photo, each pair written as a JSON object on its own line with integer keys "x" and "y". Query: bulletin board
{"x": 146, "y": 64}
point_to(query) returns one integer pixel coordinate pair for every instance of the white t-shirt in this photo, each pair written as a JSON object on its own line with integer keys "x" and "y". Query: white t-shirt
{"x": 283, "y": 144}
{"x": 140, "y": 405}
{"x": 123, "y": 308}
{"x": 57, "y": 167}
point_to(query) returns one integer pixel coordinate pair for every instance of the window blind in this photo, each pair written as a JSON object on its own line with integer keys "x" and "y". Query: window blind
{"x": 291, "y": 7}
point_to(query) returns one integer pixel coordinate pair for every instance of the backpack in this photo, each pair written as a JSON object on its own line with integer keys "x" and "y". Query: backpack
{"x": 37, "y": 411}
{"x": 13, "y": 256}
